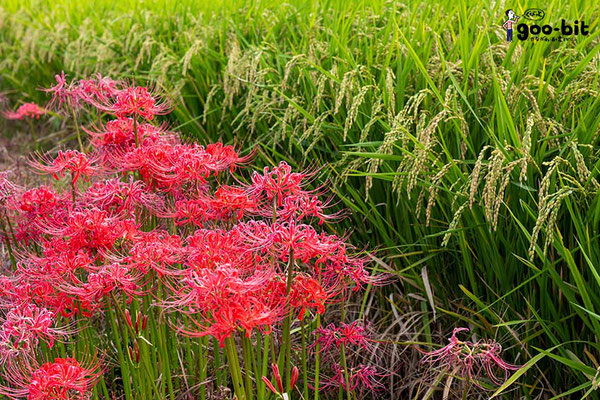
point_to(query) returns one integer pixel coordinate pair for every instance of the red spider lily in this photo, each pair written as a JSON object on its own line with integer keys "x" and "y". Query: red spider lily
{"x": 93, "y": 229}
{"x": 228, "y": 204}
{"x": 25, "y": 289}
{"x": 8, "y": 189}
{"x": 97, "y": 89}
{"x": 361, "y": 379}
{"x": 167, "y": 165}
{"x": 135, "y": 101}
{"x": 59, "y": 258}
{"x": 208, "y": 248}
{"x": 73, "y": 161}
{"x": 303, "y": 206}
{"x": 119, "y": 135}
{"x": 348, "y": 334}
{"x": 306, "y": 292}
{"x": 224, "y": 157}
{"x": 220, "y": 301}
{"x": 23, "y": 328}
{"x": 191, "y": 212}
{"x": 62, "y": 379}
{"x": 156, "y": 250}
{"x": 471, "y": 360}
{"x": 222, "y": 252}
{"x": 231, "y": 202}
{"x": 38, "y": 201}
{"x": 116, "y": 197}
{"x": 108, "y": 280}
{"x": 90, "y": 91}
{"x": 279, "y": 182}
{"x": 35, "y": 208}
{"x": 62, "y": 93}
{"x": 29, "y": 110}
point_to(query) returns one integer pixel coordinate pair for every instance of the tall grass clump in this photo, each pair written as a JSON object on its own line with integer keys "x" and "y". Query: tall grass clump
{"x": 470, "y": 163}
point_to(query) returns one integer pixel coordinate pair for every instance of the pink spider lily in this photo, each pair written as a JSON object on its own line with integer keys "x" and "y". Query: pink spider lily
{"x": 62, "y": 379}
{"x": 27, "y": 110}
{"x": 471, "y": 360}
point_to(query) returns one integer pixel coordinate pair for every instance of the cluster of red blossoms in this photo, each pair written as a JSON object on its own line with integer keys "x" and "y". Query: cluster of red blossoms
{"x": 27, "y": 110}
{"x": 143, "y": 208}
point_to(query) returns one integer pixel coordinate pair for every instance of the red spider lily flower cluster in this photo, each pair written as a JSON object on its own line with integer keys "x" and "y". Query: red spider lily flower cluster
{"x": 233, "y": 256}
{"x": 27, "y": 110}
{"x": 471, "y": 360}
{"x": 64, "y": 378}
{"x": 135, "y": 101}
{"x": 78, "y": 92}
{"x": 23, "y": 328}
{"x": 70, "y": 161}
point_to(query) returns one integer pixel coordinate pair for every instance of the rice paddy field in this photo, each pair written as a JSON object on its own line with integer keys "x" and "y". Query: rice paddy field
{"x": 298, "y": 200}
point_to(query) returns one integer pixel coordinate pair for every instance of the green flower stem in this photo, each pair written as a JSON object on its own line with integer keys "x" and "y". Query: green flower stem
{"x": 304, "y": 364}
{"x": 287, "y": 347}
{"x": 124, "y": 366}
{"x": 202, "y": 366}
{"x": 248, "y": 367}
{"x": 77, "y": 129}
{"x": 234, "y": 368}
{"x": 217, "y": 363}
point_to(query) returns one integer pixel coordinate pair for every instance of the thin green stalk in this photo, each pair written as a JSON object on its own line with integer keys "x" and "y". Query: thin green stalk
{"x": 304, "y": 363}
{"x": 260, "y": 365}
{"x": 120, "y": 356}
{"x": 128, "y": 330}
{"x": 217, "y": 363}
{"x": 77, "y": 129}
{"x": 234, "y": 368}
{"x": 288, "y": 323}
{"x": 343, "y": 355}
{"x": 203, "y": 365}
{"x": 317, "y": 360}
{"x": 346, "y": 372}
{"x": 164, "y": 357}
{"x": 33, "y": 135}
{"x": 248, "y": 367}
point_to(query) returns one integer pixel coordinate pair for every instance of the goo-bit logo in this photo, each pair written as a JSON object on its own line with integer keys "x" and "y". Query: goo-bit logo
{"x": 538, "y": 32}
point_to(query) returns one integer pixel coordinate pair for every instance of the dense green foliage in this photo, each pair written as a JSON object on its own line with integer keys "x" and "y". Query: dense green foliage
{"x": 471, "y": 163}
